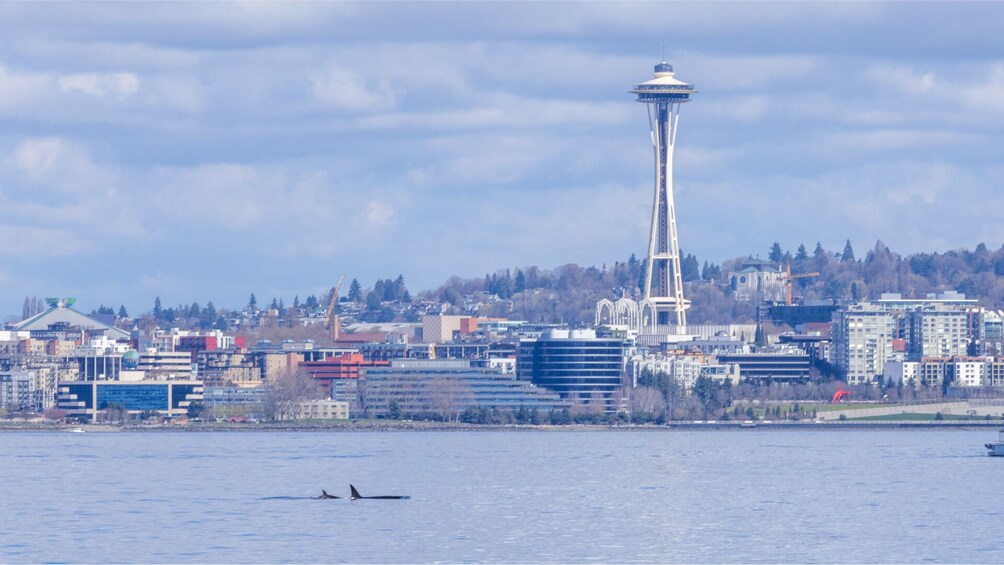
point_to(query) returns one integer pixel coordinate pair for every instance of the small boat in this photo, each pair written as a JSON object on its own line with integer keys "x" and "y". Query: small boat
{"x": 76, "y": 430}
{"x": 996, "y": 449}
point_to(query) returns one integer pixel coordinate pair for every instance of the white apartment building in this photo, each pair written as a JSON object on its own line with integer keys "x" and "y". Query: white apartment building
{"x": 863, "y": 341}
{"x": 937, "y": 331}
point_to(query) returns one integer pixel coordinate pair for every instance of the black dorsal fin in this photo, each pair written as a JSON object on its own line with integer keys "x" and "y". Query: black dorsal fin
{"x": 355, "y": 493}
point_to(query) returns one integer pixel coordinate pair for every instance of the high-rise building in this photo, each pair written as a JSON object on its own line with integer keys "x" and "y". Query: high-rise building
{"x": 663, "y": 96}
{"x": 863, "y": 337}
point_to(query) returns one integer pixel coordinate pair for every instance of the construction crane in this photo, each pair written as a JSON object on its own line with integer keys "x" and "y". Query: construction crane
{"x": 788, "y": 277}
{"x": 331, "y": 321}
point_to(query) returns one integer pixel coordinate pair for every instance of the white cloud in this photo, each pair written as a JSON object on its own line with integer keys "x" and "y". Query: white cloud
{"x": 378, "y": 215}
{"x": 40, "y": 243}
{"x": 345, "y": 89}
{"x": 903, "y": 78}
{"x": 100, "y": 85}
{"x": 18, "y": 89}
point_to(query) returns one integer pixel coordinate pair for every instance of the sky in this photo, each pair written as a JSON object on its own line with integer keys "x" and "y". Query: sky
{"x": 207, "y": 151}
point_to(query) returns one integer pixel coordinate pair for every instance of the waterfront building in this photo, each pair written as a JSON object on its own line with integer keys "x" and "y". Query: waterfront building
{"x": 321, "y": 409}
{"x": 788, "y": 366}
{"x": 582, "y": 368}
{"x": 87, "y": 399}
{"x": 446, "y": 388}
{"x": 684, "y": 369}
{"x": 338, "y": 377}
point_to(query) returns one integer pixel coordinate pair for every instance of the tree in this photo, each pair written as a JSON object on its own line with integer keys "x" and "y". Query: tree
{"x": 848, "y": 254}
{"x": 194, "y": 311}
{"x": 157, "y": 310}
{"x": 647, "y": 403}
{"x": 355, "y": 291}
{"x": 447, "y": 397}
{"x": 252, "y": 302}
{"x": 519, "y": 284}
{"x": 26, "y": 309}
{"x": 775, "y": 253}
{"x": 285, "y": 393}
{"x": 122, "y": 312}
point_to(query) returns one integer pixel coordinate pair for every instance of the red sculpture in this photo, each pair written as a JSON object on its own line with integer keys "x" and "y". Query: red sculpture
{"x": 839, "y": 395}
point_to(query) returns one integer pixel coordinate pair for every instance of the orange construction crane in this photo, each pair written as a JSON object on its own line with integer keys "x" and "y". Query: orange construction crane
{"x": 331, "y": 321}
{"x": 787, "y": 282}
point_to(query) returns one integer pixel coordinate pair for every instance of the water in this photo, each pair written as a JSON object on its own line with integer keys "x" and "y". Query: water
{"x": 666, "y": 496}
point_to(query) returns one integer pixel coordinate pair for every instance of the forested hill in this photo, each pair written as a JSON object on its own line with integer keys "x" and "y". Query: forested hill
{"x": 569, "y": 293}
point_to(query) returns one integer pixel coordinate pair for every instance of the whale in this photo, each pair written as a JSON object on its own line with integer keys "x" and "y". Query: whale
{"x": 357, "y": 496}
{"x": 325, "y": 496}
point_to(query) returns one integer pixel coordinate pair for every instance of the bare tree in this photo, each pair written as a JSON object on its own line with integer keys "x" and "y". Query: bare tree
{"x": 647, "y": 400}
{"x": 286, "y": 392}
{"x": 447, "y": 397}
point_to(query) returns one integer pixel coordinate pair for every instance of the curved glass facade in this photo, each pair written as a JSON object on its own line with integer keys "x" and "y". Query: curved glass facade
{"x": 583, "y": 370}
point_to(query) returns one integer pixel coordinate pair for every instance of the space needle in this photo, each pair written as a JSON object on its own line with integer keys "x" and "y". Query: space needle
{"x": 663, "y": 282}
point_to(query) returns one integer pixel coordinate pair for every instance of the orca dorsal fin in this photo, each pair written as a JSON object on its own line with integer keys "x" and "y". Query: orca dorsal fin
{"x": 355, "y": 493}
{"x": 324, "y": 493}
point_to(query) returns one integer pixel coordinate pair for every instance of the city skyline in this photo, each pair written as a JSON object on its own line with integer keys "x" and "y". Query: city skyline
{"x": 205, "y": 152}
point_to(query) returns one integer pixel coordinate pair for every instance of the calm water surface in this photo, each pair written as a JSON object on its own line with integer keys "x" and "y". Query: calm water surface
{"x": 667, "y": 496}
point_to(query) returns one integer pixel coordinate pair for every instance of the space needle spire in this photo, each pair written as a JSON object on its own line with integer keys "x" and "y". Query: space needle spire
{"x": 663, "y": 96}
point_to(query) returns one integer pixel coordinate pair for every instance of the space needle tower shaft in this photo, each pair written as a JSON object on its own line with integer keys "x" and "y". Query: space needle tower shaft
{"x": 663, "y": 281}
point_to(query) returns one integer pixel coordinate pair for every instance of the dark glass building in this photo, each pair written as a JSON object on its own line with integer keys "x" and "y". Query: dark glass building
{"x": 87, "y": 398}
{"x": 580, "y": 367}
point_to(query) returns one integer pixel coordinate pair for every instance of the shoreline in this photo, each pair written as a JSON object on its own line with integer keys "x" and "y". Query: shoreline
{"x": 422, "y": 426}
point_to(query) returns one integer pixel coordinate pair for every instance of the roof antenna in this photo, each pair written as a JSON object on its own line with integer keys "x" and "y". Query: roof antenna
{"x": 663, "y": 52}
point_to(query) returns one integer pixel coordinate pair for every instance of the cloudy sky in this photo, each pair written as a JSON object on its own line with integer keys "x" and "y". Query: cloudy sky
{"x": 207, "y": 151}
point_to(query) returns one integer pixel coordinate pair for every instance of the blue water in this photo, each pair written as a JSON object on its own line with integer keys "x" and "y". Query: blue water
{"x": 666, "y": 496}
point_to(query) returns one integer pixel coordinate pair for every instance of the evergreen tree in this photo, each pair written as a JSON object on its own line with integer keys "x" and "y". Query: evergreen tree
{"x": 519, "y": 284}
{"x": 399, "y": 288}
{"x": 275, "y": 304}
{"x": 690, "y": 269}
{"x": 209, "y": 312}
{"x": 26, "y": 309}
{"x": 775, "y": 253}
{"x": 252, "y": 302}
{"x": 158, "y": 312}
{"x": 194, "y": 311}
{"x": 355, "y": 291}
{"x": 296, "y": 301}
{"x": 122, "y": 312}
{"x": 802, "y": 254}
{"x": 848, "y": 254}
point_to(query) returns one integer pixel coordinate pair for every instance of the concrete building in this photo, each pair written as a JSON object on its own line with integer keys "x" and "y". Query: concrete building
{"x": 322, "y": 409}
{"x": 937, "y": 330}
{"x": 863, "y": 341}
{"x": 441, "y": 329}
